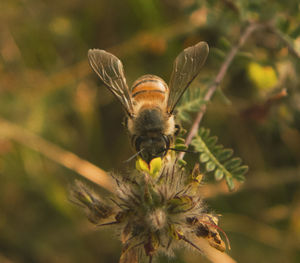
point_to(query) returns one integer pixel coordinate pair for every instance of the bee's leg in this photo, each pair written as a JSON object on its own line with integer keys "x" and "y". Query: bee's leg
{"x": 177, "y": 129}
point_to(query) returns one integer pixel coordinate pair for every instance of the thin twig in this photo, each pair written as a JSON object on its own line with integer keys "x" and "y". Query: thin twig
{"x": 285, "y": 39}
{"x": 55, "y": 153}
{"x": 220, "y": 76}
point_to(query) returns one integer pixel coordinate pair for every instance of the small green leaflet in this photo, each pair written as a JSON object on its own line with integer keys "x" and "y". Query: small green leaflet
{"x": 217, "y": 159}
{"x": 191, "y": 101}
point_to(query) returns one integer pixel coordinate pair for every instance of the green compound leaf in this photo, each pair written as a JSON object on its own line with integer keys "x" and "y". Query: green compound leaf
{"x": 191, "y": 101}
{"x": 225, "y": 154}
{"x": 233, "y": 163}
{"x": 217, "y": 159}
{"x": 180, "y": 146}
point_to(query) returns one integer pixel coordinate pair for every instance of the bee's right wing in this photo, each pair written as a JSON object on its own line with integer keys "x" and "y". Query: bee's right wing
{"x": 186, "y": 67}
{"x": 110, "y": 70}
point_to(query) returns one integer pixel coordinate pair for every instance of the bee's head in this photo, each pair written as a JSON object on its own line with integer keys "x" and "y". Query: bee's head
{"x": 150, "y": 147}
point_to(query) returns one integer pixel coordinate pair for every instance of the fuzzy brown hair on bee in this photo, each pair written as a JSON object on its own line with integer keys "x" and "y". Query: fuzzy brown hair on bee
{"x": 150, "y": 103}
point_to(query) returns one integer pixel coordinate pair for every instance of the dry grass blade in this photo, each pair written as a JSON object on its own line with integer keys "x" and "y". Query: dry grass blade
{"x": 55, "y": 153}
{"x": 213, "y": 254}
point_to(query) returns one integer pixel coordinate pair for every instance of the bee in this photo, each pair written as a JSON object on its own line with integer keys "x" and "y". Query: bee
{"x": 150, "y": 103}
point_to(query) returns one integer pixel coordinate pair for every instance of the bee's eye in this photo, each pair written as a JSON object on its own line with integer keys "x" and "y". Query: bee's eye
{"x": 136, "y": 142}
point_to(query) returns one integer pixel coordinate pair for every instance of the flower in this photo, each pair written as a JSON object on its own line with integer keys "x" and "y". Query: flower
{"x": 156, "y": 208}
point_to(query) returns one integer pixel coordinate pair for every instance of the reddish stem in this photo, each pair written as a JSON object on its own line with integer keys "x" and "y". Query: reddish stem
{"x": 220, "y": 76}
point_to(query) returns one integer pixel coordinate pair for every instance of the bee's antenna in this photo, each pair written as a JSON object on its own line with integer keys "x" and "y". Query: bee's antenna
{"x": 180, "y": 150}
{"x": 133, "y": 156}
{"x": 177, "y": 150}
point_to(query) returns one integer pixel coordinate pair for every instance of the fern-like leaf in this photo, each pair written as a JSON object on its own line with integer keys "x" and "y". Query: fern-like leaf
{"x": 191, "y": 101}
{"x": 217, "y": 159}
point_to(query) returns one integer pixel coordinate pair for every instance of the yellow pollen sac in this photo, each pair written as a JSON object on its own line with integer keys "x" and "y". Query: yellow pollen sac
{"x": 155, "y": 166}
{"x": 152, "y": 169}
{"x": 141, "y": 165}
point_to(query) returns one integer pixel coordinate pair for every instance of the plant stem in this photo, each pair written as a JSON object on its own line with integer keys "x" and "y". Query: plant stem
{"x": 285, "y": 39}
{"x": 220, "y": 76}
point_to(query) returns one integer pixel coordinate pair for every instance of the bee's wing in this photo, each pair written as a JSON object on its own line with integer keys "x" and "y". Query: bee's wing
{"x": 186, "y": 67}
{"x": 110, "y": 70}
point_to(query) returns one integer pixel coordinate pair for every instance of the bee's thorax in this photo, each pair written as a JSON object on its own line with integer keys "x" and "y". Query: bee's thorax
{"x": 150, "y": 121}
{"x": 149, "y": 89}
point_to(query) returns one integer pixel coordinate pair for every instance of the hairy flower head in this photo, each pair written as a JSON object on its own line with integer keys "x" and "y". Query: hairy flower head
{"x": 155, "y": 208}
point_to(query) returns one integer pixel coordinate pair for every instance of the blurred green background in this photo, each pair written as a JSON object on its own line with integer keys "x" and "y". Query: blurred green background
{"x": 48, "y": 88}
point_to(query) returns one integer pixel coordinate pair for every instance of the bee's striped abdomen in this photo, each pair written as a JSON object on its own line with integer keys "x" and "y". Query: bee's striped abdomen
{"x": 149, "y": 88}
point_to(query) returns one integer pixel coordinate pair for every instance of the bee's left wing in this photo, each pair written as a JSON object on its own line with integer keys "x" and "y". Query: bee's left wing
{"x": 186, "y": 67}
{"x": 110, "y": 70}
